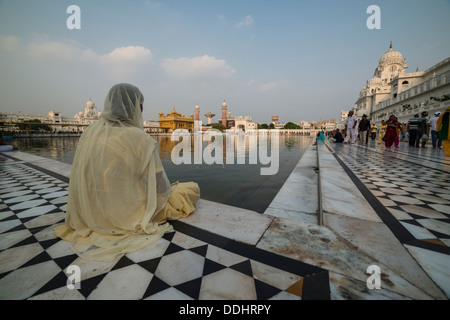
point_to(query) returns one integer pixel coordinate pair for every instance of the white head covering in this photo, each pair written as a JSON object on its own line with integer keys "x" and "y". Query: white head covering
{"x": 123, "y": 105}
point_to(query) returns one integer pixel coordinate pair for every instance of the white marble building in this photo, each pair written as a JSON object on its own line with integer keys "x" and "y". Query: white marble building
{"x": 89, "y": 115}
{"x": 57, "y": 120}
{"x": 305, "y": 125}
{"x": 242, "y": 123}
{"x": 51, "y": 117}
{"x": 393, "y": 91}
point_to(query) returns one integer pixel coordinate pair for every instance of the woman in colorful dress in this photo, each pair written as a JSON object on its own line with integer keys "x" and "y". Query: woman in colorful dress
{"x": 392, "y": 130}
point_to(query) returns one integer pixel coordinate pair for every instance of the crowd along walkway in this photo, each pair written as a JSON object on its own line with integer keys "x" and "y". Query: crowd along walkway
{"x": 343, "y": 210}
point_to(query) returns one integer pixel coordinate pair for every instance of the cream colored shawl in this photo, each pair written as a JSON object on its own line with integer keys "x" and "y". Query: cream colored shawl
{"x": 117, "y": 185}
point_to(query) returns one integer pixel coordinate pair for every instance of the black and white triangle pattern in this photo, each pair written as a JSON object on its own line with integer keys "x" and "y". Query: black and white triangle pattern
{"x": 417, "y": 196}
{"x": 187, "y": 264}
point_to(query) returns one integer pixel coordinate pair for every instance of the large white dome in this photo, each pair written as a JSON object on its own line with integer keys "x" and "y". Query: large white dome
{"x": 391, "y": 56}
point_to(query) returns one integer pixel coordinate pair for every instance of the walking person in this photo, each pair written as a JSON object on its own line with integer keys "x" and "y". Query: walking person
{"x": 350, "y": 126}
{"x": 364, "y": 126}
{"x": 413, "y": 126}
{"x": 403, "y": 132}
{"x": 422, "y": 130}
{"x": 392, "y": 130}
{"x": 373, "y": 131}
{"x": 435, "y": 140}
{"x": 381, "y": 131}
{"x": 443, "y": 126}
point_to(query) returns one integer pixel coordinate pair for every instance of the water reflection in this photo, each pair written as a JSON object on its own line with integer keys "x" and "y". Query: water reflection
{"x": 61, "y": 149}
{"x": 236, "y": 184}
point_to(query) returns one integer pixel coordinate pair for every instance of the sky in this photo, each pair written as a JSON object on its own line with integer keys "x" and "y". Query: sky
{"x": 298, "y": 60}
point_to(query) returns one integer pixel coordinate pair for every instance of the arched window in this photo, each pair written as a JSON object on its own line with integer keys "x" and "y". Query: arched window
{"x": 405, "y": 82}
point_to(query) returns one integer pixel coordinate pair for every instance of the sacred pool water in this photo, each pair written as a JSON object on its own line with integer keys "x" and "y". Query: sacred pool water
{"x": 240, "y": 184}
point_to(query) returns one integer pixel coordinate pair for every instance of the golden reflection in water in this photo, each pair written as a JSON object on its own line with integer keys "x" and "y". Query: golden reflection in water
{"x": 236, "y": 149}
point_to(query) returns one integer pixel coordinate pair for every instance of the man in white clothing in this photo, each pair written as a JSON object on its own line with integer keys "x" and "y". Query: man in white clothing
{"x": 350, "y": 125}
{"x": 435, "y": 134}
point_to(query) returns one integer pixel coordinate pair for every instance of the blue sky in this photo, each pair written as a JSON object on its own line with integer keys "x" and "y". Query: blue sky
{"x": 300, "y": 60}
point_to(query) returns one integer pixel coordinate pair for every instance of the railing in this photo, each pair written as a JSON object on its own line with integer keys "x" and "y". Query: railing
{"x": 421, "y": 88}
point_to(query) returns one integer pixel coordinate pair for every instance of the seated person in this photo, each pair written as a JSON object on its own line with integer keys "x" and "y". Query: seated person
{"x": 4, "y": 146}
{"x": 119, "y": 195}
{"x": 338, "y": 137}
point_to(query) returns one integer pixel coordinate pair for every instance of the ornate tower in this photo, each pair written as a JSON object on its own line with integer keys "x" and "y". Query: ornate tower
{"x": 224, "y": 113}
{"x": 197, "y": 113}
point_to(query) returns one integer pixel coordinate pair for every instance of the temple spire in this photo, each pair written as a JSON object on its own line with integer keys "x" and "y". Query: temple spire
{"x": 390, "y": 46}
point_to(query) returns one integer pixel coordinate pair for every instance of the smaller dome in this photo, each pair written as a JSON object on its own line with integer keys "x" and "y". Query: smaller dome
{"x": 224, "y": 104}
{"x": 363, "y": 91}
{"x": 90, "y": 103}
{"x": 375, "y": 81}
{"x": 360, "y": 113}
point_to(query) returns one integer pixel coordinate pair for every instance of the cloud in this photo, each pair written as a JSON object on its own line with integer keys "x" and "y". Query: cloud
{"x": 125, "y": 61}
{"x": 128, "y": 54}
{"x": 9, "y": 43}
{"x": 205, "y": 67}
{"x": 248, "y": 21}
{"x": 121, "y": 62}
{"x": 56, "y": 50}
{"x": 270, "y": 86}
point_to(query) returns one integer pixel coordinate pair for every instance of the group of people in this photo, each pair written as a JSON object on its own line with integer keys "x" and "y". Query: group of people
{"x": 353, "y": 129}
{"x": 416, "y": 131}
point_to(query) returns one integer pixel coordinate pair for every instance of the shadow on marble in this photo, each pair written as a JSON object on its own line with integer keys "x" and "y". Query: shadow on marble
{"x": 376, "y": 240}
{"x": 232, "y": 222}
{"x": 319, "y": 246}
{"x": 339, "y": 193}
{"x": 298, "y": 197}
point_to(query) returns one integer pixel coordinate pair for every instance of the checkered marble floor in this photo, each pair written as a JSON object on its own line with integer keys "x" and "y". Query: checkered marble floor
{"x": 413, "y": 185}
{"x": 188, "y": 263}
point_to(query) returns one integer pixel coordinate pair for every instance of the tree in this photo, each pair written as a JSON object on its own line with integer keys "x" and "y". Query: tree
{"x": 291, "y": 125}
{"x": 34, "y": 125}
{"x": 263, "y": 126}
{"x": 219, "y": 126}
{"x": 271, "y": 126}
